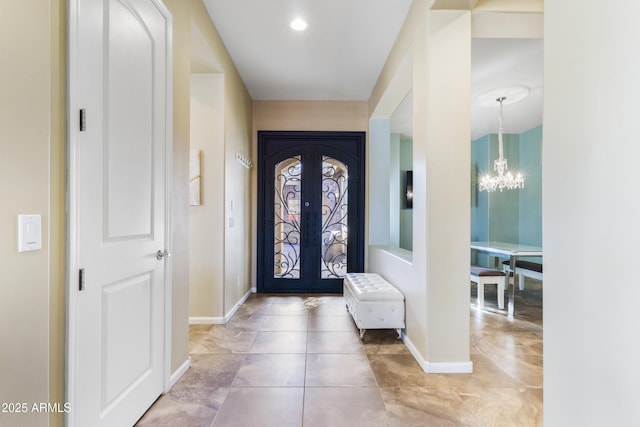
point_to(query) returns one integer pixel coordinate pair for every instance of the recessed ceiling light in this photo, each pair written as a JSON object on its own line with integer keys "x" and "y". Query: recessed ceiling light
{"x": 298, "y": 24}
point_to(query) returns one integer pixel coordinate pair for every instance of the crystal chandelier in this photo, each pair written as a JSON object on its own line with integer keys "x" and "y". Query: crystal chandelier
{"x": 504, "y": 179}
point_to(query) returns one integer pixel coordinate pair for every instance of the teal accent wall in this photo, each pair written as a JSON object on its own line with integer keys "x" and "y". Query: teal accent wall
{"x": 530, "y": 226}
{"x": 504, "y": 207}
{"x": 379, "y": 144}
{"x": 400, "y": 218}
{"x": 479, "y": 199}
{"x": 395, "y": 192}
{"x": 406, "y": 215}
{"x": 513, "y": 216}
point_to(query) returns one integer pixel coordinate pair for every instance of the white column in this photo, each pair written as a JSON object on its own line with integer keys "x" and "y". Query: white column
{"x": 444, "y": 153}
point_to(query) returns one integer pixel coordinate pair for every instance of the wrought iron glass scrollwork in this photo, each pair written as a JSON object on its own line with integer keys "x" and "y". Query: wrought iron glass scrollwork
{"x": 335, "y": 192}
{"x": 286, "y": 233}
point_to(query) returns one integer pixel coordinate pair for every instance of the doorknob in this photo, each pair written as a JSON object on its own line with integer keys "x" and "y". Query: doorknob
{"x": 162, "y": 254}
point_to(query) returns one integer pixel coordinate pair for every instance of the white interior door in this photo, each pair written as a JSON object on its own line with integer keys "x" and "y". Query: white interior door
{"x": 119, "y": 106}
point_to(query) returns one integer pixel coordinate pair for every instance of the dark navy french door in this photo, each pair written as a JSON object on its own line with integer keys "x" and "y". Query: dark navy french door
{"x": 310, "y": 210}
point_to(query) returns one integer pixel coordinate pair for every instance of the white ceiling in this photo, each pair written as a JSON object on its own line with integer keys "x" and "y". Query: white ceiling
{"x": 341, "y": 54}
{"x": 500, "y": 63}
{"x": 338, "y": 57}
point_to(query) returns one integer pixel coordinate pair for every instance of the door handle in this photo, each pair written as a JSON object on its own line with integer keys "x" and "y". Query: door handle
{"x": 162, "y": 254}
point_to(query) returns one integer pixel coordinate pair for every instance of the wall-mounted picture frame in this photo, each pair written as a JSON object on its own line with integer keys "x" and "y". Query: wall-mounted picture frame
{"x": 194, "y": 177}
{"x": 408, "y": 190}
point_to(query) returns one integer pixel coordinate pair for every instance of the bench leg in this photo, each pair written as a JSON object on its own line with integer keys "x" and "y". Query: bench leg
{"x": 399, "y": 331}
{"x": 521, "y": 282}
{"x": 480, "y": 294}
{"x": 500, "y": 282}
{"x": 501, "y": 285}
{"x": 362, "y": 331}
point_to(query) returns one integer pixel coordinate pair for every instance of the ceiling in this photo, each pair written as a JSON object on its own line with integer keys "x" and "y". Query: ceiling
{"x": 341, "y": 53}
{"x": 502, "y": 63}
{"x": 338, "y": 57}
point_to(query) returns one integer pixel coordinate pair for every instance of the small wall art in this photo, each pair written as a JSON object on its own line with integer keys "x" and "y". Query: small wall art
{"x": 194, "y": 177}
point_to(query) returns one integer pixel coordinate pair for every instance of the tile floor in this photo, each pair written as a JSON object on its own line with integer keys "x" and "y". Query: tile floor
{"x": 298, "y": 361}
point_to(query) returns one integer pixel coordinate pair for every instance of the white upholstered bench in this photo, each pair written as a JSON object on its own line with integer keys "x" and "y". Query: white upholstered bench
{"x": 485, "y": 276}
{"x": 373, "y": 302}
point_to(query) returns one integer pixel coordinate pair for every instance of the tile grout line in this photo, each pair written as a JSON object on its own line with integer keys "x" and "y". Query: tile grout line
{"x": 304, "y": 379}
{"x": 245, "y": 354}
{"x": 481, "y": 329}
{"x": 238, "y": 369}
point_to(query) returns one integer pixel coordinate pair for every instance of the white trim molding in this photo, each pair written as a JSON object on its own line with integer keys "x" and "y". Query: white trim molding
{"x": 235, "y": 308}
{"x": 217, "y": 320}
{"x": 448, "y": 367}
{"x": 438, "y": 367}
{"x": 203, "y": 320}
{"x": 179, "y": 373}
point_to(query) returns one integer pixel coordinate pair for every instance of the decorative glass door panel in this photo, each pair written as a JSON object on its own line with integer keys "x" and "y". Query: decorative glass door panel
{"x": 286, "y": 219}
{"x": 335, "y": 209}
{"x": 310, "y": 204}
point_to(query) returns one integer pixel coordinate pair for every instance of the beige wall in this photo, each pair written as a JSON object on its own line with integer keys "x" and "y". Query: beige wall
{"x": 237, "y": 180}
{"x": 32, "y": 182}
{"x": 446, "y": 158}
{"x": 438, "y": 39}
{"x": 301, "y": 115}
{"x": 238, "y": 201}
{"x": 409, "y": 277}
{"x": 309, "y": 115}
{"x": 57, "y": 209}
{"x": 206, "y": 222}
{"x": 32, "y": 168}
{"x": 235, "y": 241}
{"x": 437, "y": 317}
{"x": 180, "y": 215}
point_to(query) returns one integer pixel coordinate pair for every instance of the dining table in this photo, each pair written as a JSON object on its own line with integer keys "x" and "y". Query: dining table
{"x": 512, "y": 251}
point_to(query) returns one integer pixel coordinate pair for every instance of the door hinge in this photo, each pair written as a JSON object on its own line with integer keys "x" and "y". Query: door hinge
{"x": 81, "y": 280}
{"x": 83, "y": 120}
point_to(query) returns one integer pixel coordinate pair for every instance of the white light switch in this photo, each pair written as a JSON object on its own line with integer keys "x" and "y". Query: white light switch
{"x": 29, "y": 233}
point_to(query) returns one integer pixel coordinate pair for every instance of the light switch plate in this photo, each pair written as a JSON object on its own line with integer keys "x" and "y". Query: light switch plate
{"x": 29, "y": 233}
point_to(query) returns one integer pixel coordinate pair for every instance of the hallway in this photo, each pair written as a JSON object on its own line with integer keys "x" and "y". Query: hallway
{"x": 297, "y": 361}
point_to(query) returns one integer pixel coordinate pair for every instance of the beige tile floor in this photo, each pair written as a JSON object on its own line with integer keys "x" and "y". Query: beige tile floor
{"x": 298, "y": 361}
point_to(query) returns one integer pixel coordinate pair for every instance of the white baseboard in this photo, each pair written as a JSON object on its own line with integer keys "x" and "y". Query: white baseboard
{"x": 179, "y": 372}
{"x": 211, "y": 320}
{"x": 206, "y": 320}
{"x": 235, "y": 308}
{"x": 437, "y": 367}
{"x": 449, "y": 367}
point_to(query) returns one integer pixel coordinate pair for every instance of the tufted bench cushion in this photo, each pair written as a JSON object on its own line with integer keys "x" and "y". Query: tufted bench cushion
{"x": 373, "y": 302}
{"x": 485, "y": 272}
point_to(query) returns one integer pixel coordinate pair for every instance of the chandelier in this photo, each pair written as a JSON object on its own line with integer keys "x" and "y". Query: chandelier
{"x": 504, "y": 179}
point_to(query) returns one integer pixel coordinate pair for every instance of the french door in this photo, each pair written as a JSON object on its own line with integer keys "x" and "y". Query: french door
{"x": 310, "y": 210}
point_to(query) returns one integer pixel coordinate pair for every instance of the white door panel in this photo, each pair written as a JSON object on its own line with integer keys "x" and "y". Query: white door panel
{"x": 130, "y": 298}
{"x": 118, "y": 75}
{"x": 129, "y": 124}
